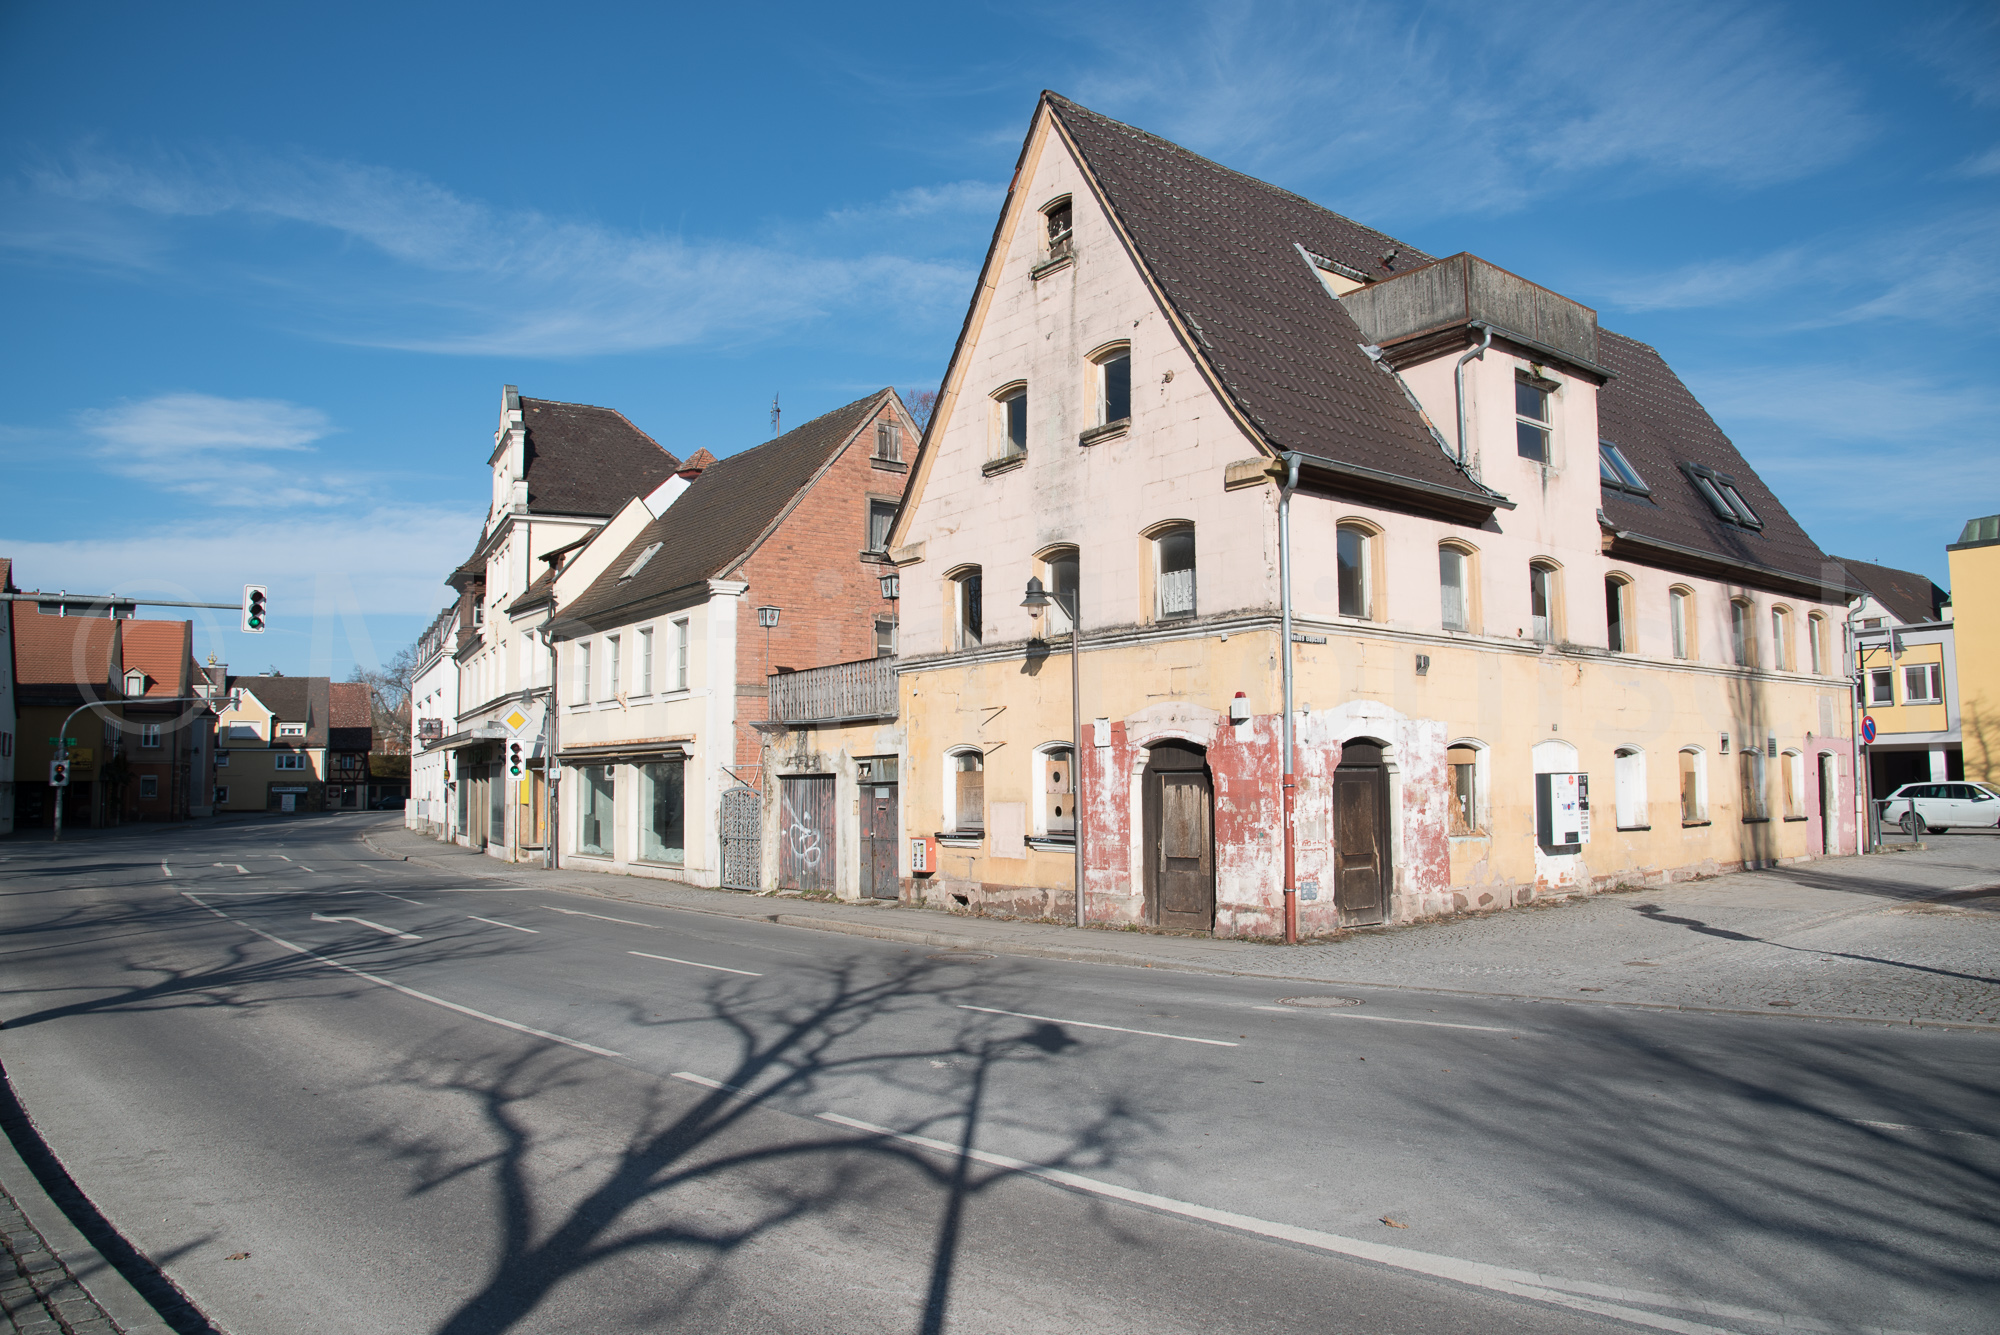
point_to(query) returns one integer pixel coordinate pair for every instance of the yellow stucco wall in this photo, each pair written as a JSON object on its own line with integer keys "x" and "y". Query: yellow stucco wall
{"x": 1975, "y": 601}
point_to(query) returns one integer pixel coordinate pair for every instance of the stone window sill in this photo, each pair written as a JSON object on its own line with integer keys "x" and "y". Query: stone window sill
{"x": 962, "y": 838}
{"x": 1756, "y": 820}
{"x": 1634, "y": 829}
{"x": 889, "y": 465}
{"x": 1047, "y": 267}
{"x": 1790, "y": 819}
{"x": 1691, "y": 824}
{"x": 1006, "y": 463}
{"x": 1052, "y": 843}
{"x": 1109, "y": 431}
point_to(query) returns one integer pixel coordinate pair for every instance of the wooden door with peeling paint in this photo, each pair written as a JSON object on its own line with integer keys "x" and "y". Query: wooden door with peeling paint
{"x": 805, "y": 833}
{"x": 1180, "y": 838}
{"x": 1361, "y": 836}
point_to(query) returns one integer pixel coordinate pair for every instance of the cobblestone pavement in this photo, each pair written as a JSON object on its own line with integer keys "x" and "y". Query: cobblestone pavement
{"x": 1901, "y": 937}
{"x": 38, "y": 1295}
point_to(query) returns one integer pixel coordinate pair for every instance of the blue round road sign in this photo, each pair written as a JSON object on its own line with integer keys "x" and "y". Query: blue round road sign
{"x": 1868, "y": 727}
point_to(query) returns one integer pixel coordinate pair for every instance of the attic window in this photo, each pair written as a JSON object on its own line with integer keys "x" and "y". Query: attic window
{"x": 135, "y": 682}
{"x": 1616, "y": 471}
{"x": 639, "y": 562}
{"x": 1058, "y": 216}
{"x": 1723, "y": 497}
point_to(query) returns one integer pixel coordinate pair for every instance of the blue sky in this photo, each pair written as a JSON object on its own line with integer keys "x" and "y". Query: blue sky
{"x": 267, "y": 267}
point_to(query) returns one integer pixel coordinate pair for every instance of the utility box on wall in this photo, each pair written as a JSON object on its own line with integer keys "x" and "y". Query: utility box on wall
{"x": 1562, "y": 810}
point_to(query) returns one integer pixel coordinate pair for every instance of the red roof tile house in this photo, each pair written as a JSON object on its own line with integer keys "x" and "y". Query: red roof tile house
{"x": 168, "y": 746}
{"x": 350, "y": 736}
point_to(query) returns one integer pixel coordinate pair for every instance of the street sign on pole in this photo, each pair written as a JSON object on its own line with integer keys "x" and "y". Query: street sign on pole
{"x": 1867, "y": 727}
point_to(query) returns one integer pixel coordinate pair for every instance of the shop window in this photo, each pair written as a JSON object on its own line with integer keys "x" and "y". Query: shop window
{"x": 594, "y": 812}
{"x": 663, "y": 811}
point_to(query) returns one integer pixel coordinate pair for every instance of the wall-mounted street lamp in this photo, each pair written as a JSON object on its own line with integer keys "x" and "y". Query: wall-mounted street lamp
{"x": 892, "y": 587}
{"x": 767, "y": 617}
{"x": 1037, "y": 600}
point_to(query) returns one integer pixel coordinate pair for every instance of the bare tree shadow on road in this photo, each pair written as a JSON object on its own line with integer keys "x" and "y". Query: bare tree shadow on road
{"x": 1657, "y": 914}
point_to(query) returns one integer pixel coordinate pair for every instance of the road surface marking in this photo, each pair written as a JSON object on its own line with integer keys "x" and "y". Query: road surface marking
{"x": 280, "y": 855}
{"x": 418, "y": 902}
{"x": 497, "y": 923}
{"x": 705, "y": 1082}
{"x": 303, "y": 867}
{"x": 697, "y": 964}
{"x": 386, "y": 931}
{"x": 1387, "y": 1019}
{"x": 1115, "y": 1028}
{"x": 1931, "y": 1130}
{"x": 241, "y": 870}
{"x": 407, "y": 991}
{"x": 165, "y": 868}
{"x": 1478, "y": 1274}
{"x": 579, "y": 913}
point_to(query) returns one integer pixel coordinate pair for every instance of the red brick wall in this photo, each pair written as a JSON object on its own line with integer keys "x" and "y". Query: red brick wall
{"x": 811, "y": 567}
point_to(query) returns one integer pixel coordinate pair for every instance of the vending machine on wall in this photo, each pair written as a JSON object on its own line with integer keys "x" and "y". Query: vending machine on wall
{"x": 1562, "y": 810}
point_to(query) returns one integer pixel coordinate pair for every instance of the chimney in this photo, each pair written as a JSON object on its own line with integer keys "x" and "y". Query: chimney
{"x": 697, "y": 462}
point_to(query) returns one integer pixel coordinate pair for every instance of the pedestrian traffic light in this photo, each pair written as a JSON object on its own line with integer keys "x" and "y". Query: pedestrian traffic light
{"x": 514, "y": 758}
{"x": 58, "y": 774}
{"x": 253, "y": 609}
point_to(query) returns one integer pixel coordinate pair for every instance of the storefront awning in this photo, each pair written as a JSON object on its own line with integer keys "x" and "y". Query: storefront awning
{"x": 471, "y": 737}
{"x": 620, "y": 753}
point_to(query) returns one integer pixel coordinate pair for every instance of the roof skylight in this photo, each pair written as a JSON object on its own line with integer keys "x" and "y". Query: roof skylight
{"x": 639, "y": 562}
{"x": 1723, "y": 496}
{"x": 1616, "y": 471}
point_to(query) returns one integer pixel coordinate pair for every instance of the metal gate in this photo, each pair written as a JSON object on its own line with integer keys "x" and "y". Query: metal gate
{"x": 742, "y": 847}
{"x": 805, "y": 832}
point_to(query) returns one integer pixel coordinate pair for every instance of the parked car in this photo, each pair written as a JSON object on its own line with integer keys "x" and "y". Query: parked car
{"x": 1941, "y": 806}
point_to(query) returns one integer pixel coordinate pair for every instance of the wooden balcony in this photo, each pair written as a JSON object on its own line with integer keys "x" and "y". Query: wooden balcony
{"x": 836, "y": 693}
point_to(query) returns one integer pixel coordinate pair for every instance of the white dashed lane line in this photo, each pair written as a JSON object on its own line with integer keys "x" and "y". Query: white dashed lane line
{"x": 1385, "y": 1019}
{"x": 386, "y": 931}
{"x": 693, "y": 964}
{"x": 1115, "y": 1028}
{"x": 579, "y": 913}
{"x": 495, "y": 922}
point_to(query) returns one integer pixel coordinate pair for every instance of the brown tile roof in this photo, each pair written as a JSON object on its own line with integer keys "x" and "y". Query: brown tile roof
{"x": 62, "y": 651}
{"x": 1910, "y": 597}
{"x": 350, "y": 716}
{"x": 163, "y": 650}
{"x": 700, "y": 459}
{"x": 718, "y": 521}
{"x": 1659, "y": 425}
{"x": 1223, "y": 247}
{"x": 588, "y": 461}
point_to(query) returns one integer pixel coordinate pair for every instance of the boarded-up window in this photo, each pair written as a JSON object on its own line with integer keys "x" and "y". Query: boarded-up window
{"x": 1754, "y": 807}
{"x": 1058, "y": 792}
{"x": 1182, "y": 829}
{"x": 969, "y": 791}
{"x": 1693, "y": 803}
{"x": 1463, "y": 761}
{"x": 1630, "y": 775}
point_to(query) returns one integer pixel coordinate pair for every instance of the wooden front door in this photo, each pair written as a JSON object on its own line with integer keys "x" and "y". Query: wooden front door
{"x": 1361, "y": 836}
{"x": 805, "y": 833}
{"x": 878, "y": 840}
{"x": 1180, "y": 838}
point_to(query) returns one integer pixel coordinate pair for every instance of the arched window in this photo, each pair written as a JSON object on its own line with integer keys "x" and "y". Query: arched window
{"x": 1781, "y": 639}
{"x": 1680, "y": 620}
{"x": 1742, "y": 633}
{"x": 1629, "y": 773}
{"x": 1058, "y": 219}
{"x": 1355, "y": 553}
{"x": 1458, "y": 585}
{"x": 1545, "y": 601}
{"x": 1816, "y": 642}
{"x": 1466, "y": 763}
{"x": 965, "y": 791}
{"x": 1111, "y": 377}
{"x": 1061, "y": 571}
{"x": 1055, "y": 791}
{"x": 1558, "y": 822}
{"x": 1173, "y": 571}
{"x": 1618, "y": 614}
{"x": 1694, "y": 786}
{"x": 963, "y": 590}
{"x": 1010, "y": 420}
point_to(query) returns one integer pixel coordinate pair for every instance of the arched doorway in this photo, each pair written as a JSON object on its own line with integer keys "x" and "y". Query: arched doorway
{"x": 1362, "y": 871}
{"x": 1180, "y": 837}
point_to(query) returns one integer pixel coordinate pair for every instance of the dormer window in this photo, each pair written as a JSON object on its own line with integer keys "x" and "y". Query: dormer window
{"x": 1058, "y": 217}
{"x": 1531, "y": 419}
{"x": 135, "y": 682}
{"x": 1615, "y": 471}
{"x": 639, "y": 561}
{"x": 1723, "y": 496}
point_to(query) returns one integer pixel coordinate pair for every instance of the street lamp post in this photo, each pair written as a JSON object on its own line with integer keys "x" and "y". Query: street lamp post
{"x": 767, "y": 617}
{"x": 1037, "y": 600}
{"x": 892, "y": 589}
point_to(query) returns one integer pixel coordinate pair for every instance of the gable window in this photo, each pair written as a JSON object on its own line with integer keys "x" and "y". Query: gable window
{"x": 681, "y": 654}
{"x": 1544, "y": 602}
{"x": 1923, "y": 684}
{"x": 1680, "y": 620}
{"x": 1174, "y": 576}
{"x": 1010, "y": 421}
{"x": 1615, "y": 471}
{"x": 149, "y": 735}
{"x": 135, "y": 682}
{"x": 1723, "y": 495}
{"x": 965, "y": 800}
{"x": 1618, "y": 614}
{"x": 1882, "y": 686}
{"x": 1059, "y": 217}
{"x": 1781, "y": 639}
{"x": 1629, "y": 775}
{"x": 583, "y": 672}
{"x": 1816, "y": 642}
{"x": 645, "y": 664}
{"x": 889, "y": 440}
{"x": 1113, "y": 374}
{"x": 1354, "y": 556}
{"x": 1062, "y": 574}
{"x": 1531, "y": 419}
{"x": 967, "y": 614}
{"x": 1694, "y": 786}
{"x": 1742, "y": 638}
{"x": 881, "y": 514}
{"x": 1455, "y": 586}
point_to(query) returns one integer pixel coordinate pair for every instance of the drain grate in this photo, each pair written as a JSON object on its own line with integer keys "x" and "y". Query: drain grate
{"x": 1319, "y": 1003}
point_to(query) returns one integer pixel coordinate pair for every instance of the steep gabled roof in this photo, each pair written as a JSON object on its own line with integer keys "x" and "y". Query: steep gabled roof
{"x": 584, "y": 460}
{"x": 292, "y": 700}
{"x": 1911, "y": 598}
{"x": 62, "y": 651}
{"x": 163, "y": 650}
{"x": 1659, "y": 425}
{"x": 718, "y": 521}
{"x": 350, "y": 716}
{"x": 1223, "y": 249}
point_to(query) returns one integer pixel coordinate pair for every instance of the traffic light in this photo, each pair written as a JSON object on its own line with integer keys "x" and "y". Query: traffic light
{"x": 58, "y": 774}
{"x": 514, "y": 758}
{"x": 253, "y": 609}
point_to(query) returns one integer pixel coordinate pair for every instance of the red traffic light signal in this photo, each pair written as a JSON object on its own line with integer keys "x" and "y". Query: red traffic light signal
{"x": 58, "y": 774}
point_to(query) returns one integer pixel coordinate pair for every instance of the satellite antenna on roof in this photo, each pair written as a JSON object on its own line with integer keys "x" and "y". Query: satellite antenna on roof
{"x": 774, "y": 413}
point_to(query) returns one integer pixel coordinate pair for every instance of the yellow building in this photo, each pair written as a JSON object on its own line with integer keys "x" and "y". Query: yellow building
{"x": 1549, "y": 631}
{"x": 271, "y": 745}
{"x": 1975, "y": 603}
{"x": 1907, "y": 677}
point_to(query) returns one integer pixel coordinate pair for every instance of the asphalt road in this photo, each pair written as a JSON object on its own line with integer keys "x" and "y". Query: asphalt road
{"x": 425, "y": 1105}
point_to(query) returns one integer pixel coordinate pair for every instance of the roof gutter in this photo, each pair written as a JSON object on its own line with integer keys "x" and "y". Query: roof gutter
{"x": 1458, "y": 384}
{"x": 1708, "y": 563}
{"x": 1375, "y": 484}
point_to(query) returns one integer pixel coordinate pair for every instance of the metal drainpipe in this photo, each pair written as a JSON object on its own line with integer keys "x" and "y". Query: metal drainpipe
{"x": 1458, "y": 384}
{"x": 551, "y": 771}
{"x": 1289, "y": 784}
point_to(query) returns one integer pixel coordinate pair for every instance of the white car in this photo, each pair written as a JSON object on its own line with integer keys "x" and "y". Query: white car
{"x": 1941, "y": 806}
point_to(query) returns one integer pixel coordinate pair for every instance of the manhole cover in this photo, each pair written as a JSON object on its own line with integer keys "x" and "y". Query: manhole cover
{"x": 1319, "y": 1003}
{"x": 961, "y": 955}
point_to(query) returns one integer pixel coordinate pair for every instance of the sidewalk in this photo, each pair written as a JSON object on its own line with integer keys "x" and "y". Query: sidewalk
{"x": 1906, "y": 938}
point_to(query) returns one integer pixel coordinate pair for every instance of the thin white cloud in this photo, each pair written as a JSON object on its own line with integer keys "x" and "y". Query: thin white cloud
{"x": 1947, "y": 271}
{"x": 442, "y": 273}
{"x": 219, "y": 449}
{"x": 1981, "y": 164}
{"x": 1705, "y": 283}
